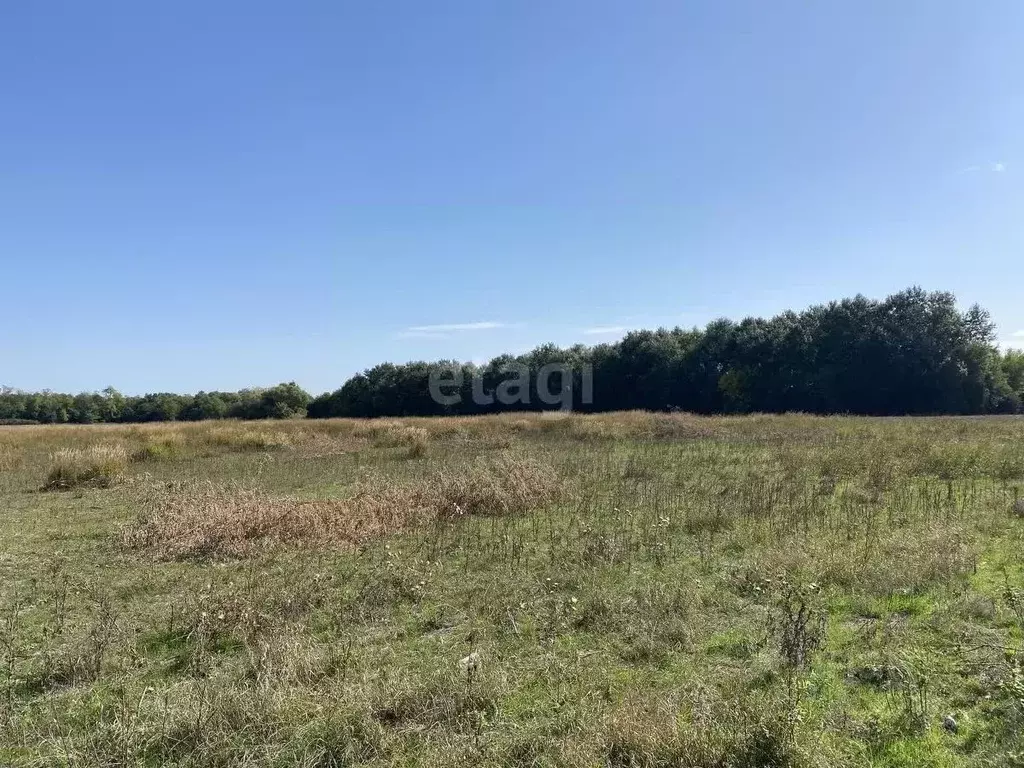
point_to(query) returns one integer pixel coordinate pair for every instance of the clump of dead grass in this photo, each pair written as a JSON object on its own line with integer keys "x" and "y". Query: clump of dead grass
{"x": 503, "y": 484}
{"x": 387, "y": 433}
{"x": 199, "y": 520}
{"x": 712, "y": 733}
{"x": 442, "y": 701}
{"x": 9, "y": 459}
{"x": 419, "y": 443}
{"x": 248, "y": 438}
{"x": 905, "y": 561}
{"x": 97, "y": 466}
{"x": 320, "y": 445}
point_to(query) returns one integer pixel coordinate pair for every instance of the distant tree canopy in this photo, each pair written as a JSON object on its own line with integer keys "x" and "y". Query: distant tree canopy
{"x": 280, "y": 402}
{"x": 913, "y": 353}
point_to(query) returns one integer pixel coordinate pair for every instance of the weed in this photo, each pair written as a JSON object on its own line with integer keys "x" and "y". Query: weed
{"x": 798, "y": 623}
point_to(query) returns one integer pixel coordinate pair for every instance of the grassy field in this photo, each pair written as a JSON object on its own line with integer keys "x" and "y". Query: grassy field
{"x": 620, "y": 590}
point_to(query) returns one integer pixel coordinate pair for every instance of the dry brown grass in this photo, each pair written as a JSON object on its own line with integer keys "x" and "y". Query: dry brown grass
{"x": 30, "y": 447}
{"x": 159, "y": 446}
{"x": 98, "y": 466}
{"x": 197, "y": 520}
{"x": 389, "y": 433}
{"x": 9, "y": 459}
{"x": 902, "y": 562}
{"x": 909, "y": 561}
{"x": 247, "y": 437}
{"x": 702, "y": 731}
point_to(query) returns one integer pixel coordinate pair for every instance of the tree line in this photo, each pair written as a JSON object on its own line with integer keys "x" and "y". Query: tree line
{"x": 915, "y": 352}
{"x": 280, "y": 402}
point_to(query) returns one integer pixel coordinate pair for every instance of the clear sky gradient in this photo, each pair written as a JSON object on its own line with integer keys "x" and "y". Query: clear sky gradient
{"x": 214, "y": 195}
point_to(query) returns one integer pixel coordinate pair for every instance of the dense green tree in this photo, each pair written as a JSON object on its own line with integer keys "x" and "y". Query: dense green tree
{"x": 284, "y": 401}
{"x": 160, "y": 406}
{"x": 914, "y": 352}
{"x": 204, "y": 405}
{"x": 111, "y": 405}
{"x": 86, "y": 408}
{"x": 1013, "y": 368}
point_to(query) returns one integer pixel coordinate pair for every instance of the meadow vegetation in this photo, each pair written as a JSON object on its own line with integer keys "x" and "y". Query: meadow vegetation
{"x": 631, "y": 590}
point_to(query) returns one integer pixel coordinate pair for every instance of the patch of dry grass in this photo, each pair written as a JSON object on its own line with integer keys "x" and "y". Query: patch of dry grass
{"x": 98, "y": 466}
{"x": 902, "y": 562}
{"x": 9, "y": 459}
{"x": 908, "y": 561}
{"x": 156, "y": 447}
{"x": 247, "y": 437}
{"x": 388, "y": 433}
{"x": 704, "y": 732}
{"x": 197, "y": 520}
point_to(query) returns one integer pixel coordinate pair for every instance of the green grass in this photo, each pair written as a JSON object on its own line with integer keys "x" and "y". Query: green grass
{"x": 757, "y": 591}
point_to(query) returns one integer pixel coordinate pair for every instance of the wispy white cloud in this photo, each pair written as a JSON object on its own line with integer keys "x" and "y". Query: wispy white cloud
{"x": 994, "y": 167}
{"x": 1018, "y": 334}
{"x": 451, "y": 327}
{"x": 414, "y": 334}
{"x": 447, "y": 330}
{"x": 604, "y": 330}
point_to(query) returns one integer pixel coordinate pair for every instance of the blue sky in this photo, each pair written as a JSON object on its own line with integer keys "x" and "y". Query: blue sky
{"x": 200, "y": 195}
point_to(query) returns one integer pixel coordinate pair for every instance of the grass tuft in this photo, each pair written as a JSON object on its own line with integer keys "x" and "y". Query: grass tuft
{"x": 97, "y": 466}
